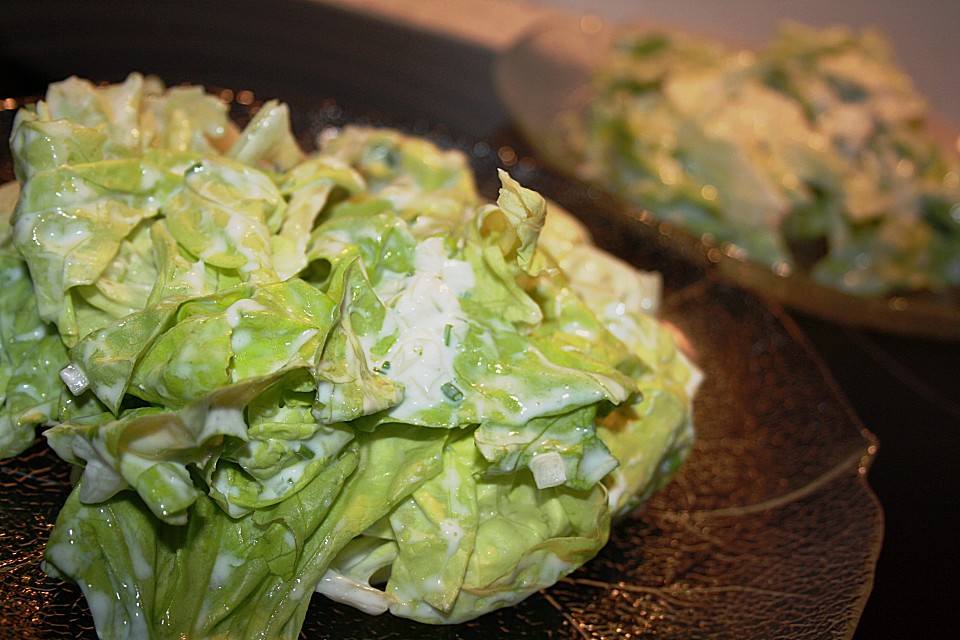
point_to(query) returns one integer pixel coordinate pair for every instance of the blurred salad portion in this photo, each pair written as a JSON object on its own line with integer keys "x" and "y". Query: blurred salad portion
{"x": 813, "y": 154}
{"x": 282, "y": 372}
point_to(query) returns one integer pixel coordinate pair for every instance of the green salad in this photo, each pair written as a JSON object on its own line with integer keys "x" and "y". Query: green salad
{"x": 812, "y": 154}
{"x": 282, "y": 372}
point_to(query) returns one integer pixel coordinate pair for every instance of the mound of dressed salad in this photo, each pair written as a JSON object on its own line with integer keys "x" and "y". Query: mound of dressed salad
{"x": 815, "y": 153}
{"x": 281, "y": 373}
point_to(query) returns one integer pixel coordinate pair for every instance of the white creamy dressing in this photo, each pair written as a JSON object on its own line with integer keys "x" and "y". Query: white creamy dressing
{"x": 451, "y": 530}
{"x": 216, "y": 245}
{"x": 235, "y": 311}
{"x": 9, "y": 277}
{"x": 452, "y": 533}
{"x": 150, "y": 177}
{"x": 239, "y": 228}
{"x": 231, "y": 491}
{"x": 182, "y": 365}
{"x": 241, "y": 339}
{"x": 232, "y": 241}
{"x": 142, "y": 567}
{"x": 195, "y": 276}
{"x": 422, "y": 310}
{"x": 223, "y": 569}
{"x": 77, "y": 192}
{"x": 222, "y": 574}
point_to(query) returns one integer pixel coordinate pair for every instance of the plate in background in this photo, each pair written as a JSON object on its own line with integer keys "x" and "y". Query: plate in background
{"x": 546, "y": 74}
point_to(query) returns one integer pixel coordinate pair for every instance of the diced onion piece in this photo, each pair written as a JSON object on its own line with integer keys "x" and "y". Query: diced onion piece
{"x": 341, "y": 588}
{"x": 74, "y": 378}
{"x": 548, "y": 470}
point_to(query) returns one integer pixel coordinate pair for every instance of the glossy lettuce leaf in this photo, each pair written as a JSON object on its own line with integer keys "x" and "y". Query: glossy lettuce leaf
{"x": 393, "y": 462}
{"x": 551, "y": 533}
{"x": 435, "y": 531}
{"x": 31, "y": 356}
{"x": 432, "y": 188}
{"x": 179, "y": 275}
{"x": 97, "y": 163}
{"x": 525, "y": 210}
{"x": 152, "y": 450}
{"x": 500, "y": 247}
{"x": 206, "y": 358}
{"x": 348, "y": 386}
{"x": 39, "y": 145}
{"x": 254, "y": 443}
{"x": 267, "y": 142}
{"x": 69, "y": 241}
{"x": 165, "y": 579}
{"x": 224, "y": 215}
{"x": 465, "y": 542}
{"x": 559, "y": 450}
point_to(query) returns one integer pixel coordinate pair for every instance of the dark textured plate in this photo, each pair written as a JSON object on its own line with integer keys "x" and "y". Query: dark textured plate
{"x": 770, "y": 529}
{"x": 547, "y": 72}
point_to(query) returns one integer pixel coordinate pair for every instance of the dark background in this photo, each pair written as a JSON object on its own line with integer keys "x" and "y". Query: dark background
{"x": 906, "y": 391}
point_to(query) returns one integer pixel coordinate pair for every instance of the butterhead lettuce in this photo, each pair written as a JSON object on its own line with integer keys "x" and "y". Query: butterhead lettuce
{"x": 280, "y": 373}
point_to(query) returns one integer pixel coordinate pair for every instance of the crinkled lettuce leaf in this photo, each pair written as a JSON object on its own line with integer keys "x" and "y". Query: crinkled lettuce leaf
{"x": 31, "y": 356}
{"x": 218, "y": 576}
{"x": 468, "y": 542}
{"x": 145, "y": 578}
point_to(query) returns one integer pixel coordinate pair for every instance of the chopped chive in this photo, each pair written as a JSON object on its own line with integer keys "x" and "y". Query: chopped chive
{"x": 386, "y": 365}
{"x": 304, "y": 452}
{"x": 446, "y": 334}
{"x": 451, "y": 391}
